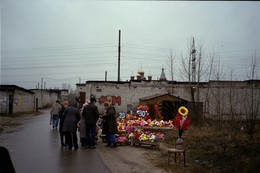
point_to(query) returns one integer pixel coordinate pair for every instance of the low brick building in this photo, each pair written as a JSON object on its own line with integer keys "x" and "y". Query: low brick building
{"x": 218, "y": 99}
{"x": 15, "y": 99}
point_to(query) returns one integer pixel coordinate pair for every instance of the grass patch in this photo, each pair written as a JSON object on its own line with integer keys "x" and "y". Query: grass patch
{"x": 216, "y": 150}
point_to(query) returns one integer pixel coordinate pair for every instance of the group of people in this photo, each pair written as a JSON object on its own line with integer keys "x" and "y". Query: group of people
{"x": 90, "y": 118}
{"x": 70, "y": 118}
{"x": 67, "y": 116}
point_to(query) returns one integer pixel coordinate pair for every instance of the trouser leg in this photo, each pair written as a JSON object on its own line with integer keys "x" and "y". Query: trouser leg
{"x": 53, "y": 121}
{"x": 108, "y": 140}
{"x": 69, "y": 139}
{"x": 62, "y": 136}
{"x": 75, "y": 140}
{"x": 56, "y": 121}
{"x": 92, "y": 134}
{"x": 87, "y": 135}
{"x": 113, "y": 140}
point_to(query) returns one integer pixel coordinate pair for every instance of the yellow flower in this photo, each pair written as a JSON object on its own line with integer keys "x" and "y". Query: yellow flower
{"x": 130, "y": 135}
{"x": 183, "y": 111}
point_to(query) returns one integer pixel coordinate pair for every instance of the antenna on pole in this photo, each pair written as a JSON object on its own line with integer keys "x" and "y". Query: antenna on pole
{"x": 119, "y": 51}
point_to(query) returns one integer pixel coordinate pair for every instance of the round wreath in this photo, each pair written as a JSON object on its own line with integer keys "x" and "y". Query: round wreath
{"x": 183, "y": 111}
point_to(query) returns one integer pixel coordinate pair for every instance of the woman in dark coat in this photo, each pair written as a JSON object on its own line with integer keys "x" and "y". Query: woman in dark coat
{"x": 72, "y": 117}
{"x": 65, "y": 104}
{"x": 110, "y": 125}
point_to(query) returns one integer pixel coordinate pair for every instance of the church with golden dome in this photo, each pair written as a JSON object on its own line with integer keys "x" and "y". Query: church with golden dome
{"x": 140, "y": 76}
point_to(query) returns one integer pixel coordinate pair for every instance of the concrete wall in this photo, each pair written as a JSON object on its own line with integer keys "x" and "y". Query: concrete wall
{"x": 28, "y": 101}
{"x": 227, "y": 100}
{"x": 23, "y": 101}
{"x": 64, "y": 95}
{"x": 4, "y": 102}
{"x": 45, "y": 98}
{"x": 128, "y": 94}
{"x": 220, "y": 99}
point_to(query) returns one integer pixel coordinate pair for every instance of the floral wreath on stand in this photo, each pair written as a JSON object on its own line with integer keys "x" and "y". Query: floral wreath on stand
{"x": 181, "y": 121}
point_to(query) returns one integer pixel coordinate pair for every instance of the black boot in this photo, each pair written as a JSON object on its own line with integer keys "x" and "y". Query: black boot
{"x": 114, "y": 145}
{"x": 108, "y": 144}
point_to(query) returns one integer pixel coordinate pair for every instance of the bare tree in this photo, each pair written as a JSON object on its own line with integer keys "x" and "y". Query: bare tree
{"x": 170, "y": 60}
{"x": 72, "y": 95}
{"x": 194, "y": 70}
{"x": 209, "y": 70}
{"x": 217, "y": 92}
{"x": 252, "y": 103}
{"x": 231, "y": 97}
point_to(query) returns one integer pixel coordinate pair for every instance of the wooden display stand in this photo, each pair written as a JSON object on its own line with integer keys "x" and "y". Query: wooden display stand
{"x": 126, "y": 142}
{"x": 149, "y": 143}
{"x": 153, "y": 144}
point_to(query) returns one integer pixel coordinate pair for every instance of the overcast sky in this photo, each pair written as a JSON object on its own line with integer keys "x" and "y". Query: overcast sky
{"x": 71, "y": 41}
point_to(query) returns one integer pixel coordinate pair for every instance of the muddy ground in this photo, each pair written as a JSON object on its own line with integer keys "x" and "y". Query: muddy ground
{"x": 124, "y": 158}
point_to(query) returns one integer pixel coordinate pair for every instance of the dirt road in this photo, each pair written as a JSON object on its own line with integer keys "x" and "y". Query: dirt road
{"x": 131, "y": 159}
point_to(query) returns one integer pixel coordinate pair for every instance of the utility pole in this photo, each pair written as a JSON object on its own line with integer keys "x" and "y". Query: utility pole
{"x": 41, "y": 89}
{"x": 193, "y": 61}
{"x": 119, "y": 51}
{"x": 41, "y": 83}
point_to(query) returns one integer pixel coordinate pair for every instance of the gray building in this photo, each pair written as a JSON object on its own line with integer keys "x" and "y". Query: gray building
{"x": 45, "y": 98}
{"x": 14, "y": 99}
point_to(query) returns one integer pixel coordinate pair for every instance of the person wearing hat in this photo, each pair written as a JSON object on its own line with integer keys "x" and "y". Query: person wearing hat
{"x": 91, "y": 115}
{"x": 110, "y": 125}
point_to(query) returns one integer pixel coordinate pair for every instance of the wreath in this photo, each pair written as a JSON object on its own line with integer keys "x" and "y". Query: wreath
{"x": 183, "y": 111}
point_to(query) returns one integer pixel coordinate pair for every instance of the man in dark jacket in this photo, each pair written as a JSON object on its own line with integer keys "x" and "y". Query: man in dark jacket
{"x": 91, "y": 115}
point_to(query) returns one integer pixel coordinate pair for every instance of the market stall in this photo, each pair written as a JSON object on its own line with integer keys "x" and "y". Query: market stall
{"x": 140, "y": 129}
